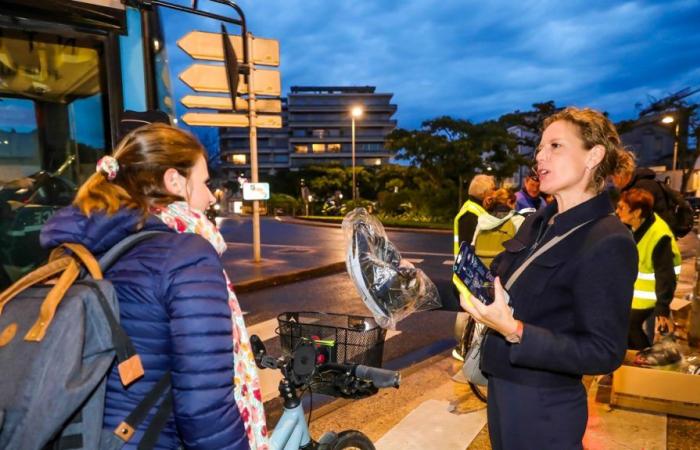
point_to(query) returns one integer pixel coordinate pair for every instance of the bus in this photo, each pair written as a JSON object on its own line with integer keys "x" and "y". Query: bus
{"x": 68, "y": 70}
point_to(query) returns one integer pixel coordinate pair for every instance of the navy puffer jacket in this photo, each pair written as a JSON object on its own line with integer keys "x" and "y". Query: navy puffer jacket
{"x": 174, "y": 306}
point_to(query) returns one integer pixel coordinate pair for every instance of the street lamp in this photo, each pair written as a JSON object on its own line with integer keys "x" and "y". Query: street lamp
{"x": 356, "y": 112}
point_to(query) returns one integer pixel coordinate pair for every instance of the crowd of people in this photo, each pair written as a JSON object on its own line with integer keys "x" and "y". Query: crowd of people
{"x": 576, "y": 284}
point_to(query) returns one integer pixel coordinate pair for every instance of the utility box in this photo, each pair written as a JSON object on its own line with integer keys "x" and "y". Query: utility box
{"x": 655, "y": 390}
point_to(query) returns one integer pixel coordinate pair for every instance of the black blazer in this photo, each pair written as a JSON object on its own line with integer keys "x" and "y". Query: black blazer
{"x": 574, "y": 299}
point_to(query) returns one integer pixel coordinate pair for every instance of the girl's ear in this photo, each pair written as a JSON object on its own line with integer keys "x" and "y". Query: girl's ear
{"x": 174, "y": 182}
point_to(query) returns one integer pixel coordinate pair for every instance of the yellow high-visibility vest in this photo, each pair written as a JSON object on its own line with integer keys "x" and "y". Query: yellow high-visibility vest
{"x": 471, "y": 207}
{"x": 645, "y": 286}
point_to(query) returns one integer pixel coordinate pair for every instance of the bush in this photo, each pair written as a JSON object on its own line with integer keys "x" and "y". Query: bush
{"x": 283, "y": 204}
{"x": 370, "y": 206}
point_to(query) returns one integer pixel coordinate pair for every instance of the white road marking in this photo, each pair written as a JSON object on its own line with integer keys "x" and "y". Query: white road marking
{"x": 427, "y": 254}
{"x": 414, "y": 260}
{"x": 246, "y": 244}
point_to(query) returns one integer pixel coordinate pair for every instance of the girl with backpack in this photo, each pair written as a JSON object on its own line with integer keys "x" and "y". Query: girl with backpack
{"x": 173, "y": 297}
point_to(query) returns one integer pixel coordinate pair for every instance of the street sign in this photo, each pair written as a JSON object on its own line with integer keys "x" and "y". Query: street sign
{"x": 230, "y": 120}
{"x": 224, "y": 103}
{"x": 206, "y": 78}
{"x": 256, "y": 191}
{"x": 208, "y": 46}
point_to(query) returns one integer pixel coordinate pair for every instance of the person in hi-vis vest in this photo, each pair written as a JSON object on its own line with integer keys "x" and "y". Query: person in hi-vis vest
{"x": 659, "y": 265}
{"x": 463, "y": 231}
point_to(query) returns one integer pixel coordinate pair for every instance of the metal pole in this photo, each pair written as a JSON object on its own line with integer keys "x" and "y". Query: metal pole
{"x": 353, "y": 159}
{"x": 675, "y": 144}
{"x": 253, "y": 138}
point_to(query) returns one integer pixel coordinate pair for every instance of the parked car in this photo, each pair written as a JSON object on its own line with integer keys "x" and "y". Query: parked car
{"x": 25, "y": 205}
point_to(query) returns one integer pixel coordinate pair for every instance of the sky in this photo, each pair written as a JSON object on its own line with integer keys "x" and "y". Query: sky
{"x": 475, "y": 60}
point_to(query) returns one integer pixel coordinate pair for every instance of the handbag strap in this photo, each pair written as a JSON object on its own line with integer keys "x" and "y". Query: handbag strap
{"x": 551, "y": 243}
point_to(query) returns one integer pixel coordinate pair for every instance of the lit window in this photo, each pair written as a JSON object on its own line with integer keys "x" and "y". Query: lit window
{"x": 320, "y": 134}
{"x": 334, "y": 148}
{"x": 301, "y": 149}
{"x": 318, "y": 148}
{"x": 239, "y": 159}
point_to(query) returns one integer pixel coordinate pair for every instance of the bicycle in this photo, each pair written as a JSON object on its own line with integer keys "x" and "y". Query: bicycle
{"x": 300, "y": 371}
{"x": 466, "y": 334}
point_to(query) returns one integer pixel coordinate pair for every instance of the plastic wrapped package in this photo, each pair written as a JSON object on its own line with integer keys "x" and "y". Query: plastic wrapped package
{"x": 664, "y": 352}
{"x": 391, "y": 287}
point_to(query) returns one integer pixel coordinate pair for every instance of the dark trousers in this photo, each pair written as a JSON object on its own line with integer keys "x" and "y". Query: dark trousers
{"x": 536, "y": 418}
{"x": 637, "y": 339}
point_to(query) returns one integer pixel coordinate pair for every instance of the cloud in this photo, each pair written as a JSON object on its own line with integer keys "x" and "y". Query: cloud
{"x": 478, "y": 60}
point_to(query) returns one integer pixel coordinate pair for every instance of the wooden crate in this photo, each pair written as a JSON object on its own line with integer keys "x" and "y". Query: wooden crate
{"x": 656, "y": 390}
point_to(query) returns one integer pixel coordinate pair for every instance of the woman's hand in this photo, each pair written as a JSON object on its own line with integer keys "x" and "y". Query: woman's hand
{"x": 497, "y": 315}
{"x": 664, "y": 325}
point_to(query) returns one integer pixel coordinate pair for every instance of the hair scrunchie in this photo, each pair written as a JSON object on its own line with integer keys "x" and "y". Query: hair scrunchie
{"x": 109, "y": 166}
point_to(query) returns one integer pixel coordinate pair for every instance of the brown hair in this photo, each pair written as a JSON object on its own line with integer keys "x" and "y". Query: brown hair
{"x": 143, "y": 155}
{"x": 639, "y": 199}
{"x": 596, "y": 129}
{"x": 499, "y": 197}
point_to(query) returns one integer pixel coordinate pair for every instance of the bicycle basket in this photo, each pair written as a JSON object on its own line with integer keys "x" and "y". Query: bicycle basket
{"x": 344, "y": 338}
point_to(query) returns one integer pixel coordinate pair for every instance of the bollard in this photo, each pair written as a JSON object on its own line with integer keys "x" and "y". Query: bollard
{"x": 694, "y": 319}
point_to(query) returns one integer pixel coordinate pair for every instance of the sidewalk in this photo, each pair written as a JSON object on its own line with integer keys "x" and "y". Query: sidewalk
{"x": 281, "y": 264}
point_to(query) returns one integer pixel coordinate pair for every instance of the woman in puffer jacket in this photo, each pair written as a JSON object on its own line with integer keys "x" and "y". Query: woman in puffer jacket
{"x": 172, "y": 292}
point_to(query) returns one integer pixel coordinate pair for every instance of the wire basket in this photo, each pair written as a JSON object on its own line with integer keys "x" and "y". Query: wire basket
{"x": 346, "y": 339}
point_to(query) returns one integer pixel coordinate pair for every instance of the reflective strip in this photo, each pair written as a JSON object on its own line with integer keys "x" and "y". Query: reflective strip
{"x": 456, "y": 239}
{"x": 645, "y": 295}
{"x": 677, "y": 269}
{"x": 646, "y": 276}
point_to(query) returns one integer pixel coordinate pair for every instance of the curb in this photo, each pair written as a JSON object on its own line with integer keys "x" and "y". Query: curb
{"x": 315, "y": 223}
{"x": 257, "y": 284}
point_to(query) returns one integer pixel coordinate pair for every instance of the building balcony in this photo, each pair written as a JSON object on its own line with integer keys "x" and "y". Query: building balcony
{"x": 340, "y": 108}
{"x": 343, "y": 123}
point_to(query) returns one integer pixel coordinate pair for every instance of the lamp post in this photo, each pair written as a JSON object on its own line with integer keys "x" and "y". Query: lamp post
{"x": 356, "y": 112}
{"x": 668, "y": 119}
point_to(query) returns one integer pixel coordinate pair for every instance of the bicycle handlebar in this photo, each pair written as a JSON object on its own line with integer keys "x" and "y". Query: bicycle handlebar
{"x": 381, "y": 378}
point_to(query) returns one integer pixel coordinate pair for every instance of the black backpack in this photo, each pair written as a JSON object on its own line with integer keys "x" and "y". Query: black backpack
{"x": 678, "y": 213}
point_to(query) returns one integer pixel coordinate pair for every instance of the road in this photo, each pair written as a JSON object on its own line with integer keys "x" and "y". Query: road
{"x": 414, "y": 339}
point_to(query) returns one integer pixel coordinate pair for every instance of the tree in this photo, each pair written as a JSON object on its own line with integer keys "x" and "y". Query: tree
{"x": 453, "y": 150}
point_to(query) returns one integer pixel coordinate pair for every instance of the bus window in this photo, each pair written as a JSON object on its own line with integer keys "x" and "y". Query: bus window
{"x": 53, "y": 129}
{"x": 51, "y": 105}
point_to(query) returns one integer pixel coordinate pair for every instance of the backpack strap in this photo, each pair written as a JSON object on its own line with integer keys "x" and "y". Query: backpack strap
{"x": 42, "y": 273}
{"x": 123, "y": 246}
{"x": 82, "y": 254}
{"x": 125, "y": 430}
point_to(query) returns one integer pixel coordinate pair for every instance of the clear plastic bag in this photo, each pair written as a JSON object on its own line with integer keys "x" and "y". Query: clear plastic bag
{"x": 663, "y": 353}
{"x": 391, "y": 287}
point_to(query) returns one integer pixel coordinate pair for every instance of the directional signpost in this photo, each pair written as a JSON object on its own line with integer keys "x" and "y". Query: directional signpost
{"x": 208, "y": 78}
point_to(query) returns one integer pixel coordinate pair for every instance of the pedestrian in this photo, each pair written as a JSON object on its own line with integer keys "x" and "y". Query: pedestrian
{"x": 173, "y": 299}
{"x": 659, "y": 266}
{"x": 463, "y": 231}
{"x": 529, "y": 199}
{"x": 573, "y": 265}
{"x": 499, "y": 224}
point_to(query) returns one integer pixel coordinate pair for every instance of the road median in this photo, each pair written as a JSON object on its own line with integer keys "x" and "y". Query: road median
{"x": 257, "y": 284}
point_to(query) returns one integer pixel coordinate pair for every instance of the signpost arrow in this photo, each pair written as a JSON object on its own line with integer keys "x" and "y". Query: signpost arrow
{"x": 224, "y": 103}
{"x": 206, "y": 78}
{"x": 230, "y": 120}
{"x": 208, "y": 46}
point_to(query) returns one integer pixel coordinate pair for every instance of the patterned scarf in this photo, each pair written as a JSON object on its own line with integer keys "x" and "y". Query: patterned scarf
{"x": 184, "y": 219}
